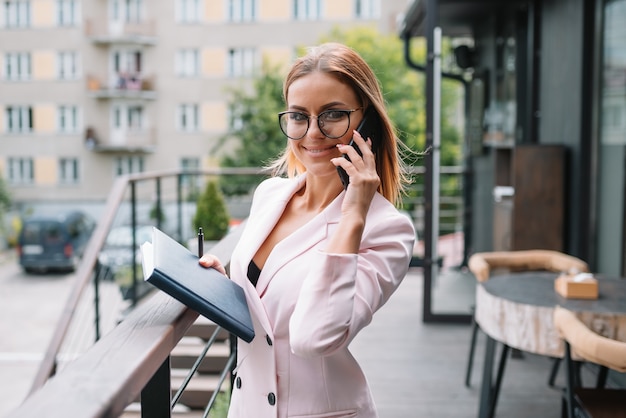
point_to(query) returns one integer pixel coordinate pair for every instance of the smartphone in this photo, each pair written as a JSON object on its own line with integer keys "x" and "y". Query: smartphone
{"x": 370, "y": 127}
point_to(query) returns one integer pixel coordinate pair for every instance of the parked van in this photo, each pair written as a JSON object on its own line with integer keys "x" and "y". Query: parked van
{"x": 54, "y": 242}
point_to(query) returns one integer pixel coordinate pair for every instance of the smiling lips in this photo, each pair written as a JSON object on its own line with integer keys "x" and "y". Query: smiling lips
{"x": 320, "y": 150}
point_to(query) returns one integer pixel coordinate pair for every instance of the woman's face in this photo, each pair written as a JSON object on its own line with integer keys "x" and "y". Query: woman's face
{"x": 311, "y": 95}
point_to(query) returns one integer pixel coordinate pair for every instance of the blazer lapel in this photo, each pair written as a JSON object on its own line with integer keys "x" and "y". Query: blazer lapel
{"x": 299, "y": 241}
{"x": 265, "y": 219}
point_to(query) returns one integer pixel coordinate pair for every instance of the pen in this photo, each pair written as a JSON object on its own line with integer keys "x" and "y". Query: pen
{"x": 200, "y": 242}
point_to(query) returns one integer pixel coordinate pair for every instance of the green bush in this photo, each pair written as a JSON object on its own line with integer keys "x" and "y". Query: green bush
{"x": 211, "y": 213}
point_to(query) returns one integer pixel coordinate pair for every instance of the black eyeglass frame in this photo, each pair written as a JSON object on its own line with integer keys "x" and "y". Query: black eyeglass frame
{"x": 348, "y": 112}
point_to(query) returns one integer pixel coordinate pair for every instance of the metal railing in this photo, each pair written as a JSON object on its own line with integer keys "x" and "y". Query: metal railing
{"x": 133, "y": 359}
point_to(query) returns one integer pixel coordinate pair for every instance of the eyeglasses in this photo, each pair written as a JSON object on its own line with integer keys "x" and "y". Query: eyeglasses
{"x": 333, "y": 123}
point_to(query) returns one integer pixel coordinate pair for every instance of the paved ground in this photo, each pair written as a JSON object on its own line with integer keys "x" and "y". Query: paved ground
{"x": 415, "y": 369}
{"x": 30, "y": 306}
{"x": 418, "y": 370}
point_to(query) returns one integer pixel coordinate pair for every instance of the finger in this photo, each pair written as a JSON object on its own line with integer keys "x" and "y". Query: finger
{"x": 350, "y": 151}
{"x": 362, "y": 143}
{"x": 210, "y": 261}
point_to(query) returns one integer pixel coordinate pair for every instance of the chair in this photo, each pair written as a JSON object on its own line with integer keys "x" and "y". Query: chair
{"x": 582, "y": 343}
{"x": 485, "y": 264}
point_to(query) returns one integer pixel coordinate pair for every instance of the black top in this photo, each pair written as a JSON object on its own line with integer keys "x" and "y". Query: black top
{"x": 253, "y": 272}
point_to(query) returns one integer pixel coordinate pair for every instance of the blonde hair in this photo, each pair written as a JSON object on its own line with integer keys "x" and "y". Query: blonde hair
{"x": 347, "y": 66}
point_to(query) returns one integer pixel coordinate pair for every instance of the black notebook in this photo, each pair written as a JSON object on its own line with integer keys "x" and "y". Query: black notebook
{"x": 175, "y": 270}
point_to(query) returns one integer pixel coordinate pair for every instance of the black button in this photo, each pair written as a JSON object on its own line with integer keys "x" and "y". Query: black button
{"x": 271, "y": 398}
{"x": 269, "y": 340}
{"x": 238, "y": 382}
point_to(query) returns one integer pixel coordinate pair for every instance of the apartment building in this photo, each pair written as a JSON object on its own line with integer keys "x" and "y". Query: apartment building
{"x": 91, "y": 89}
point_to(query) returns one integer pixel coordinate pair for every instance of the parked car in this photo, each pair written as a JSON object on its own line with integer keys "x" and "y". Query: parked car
{"x": 54, "y": 242}
{"x": 117, "y": 251}
{"x": 117, "y": 259}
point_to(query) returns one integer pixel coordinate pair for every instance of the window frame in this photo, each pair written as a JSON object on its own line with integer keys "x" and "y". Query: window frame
{"x": 188, "y": 117}
{"x": 21, "y": 61}
{"x": 187, "y": 63}
{"x": 25, "y": 173}
{"x": 19, "y": 119}
{"x": 69, "y": 170}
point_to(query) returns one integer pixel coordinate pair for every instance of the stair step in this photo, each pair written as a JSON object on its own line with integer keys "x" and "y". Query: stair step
{"x": 198, "y": 391}
{"x": 204, "y": 328}
{"x": 134, "y": 411}
{"x": 185, "y": 354}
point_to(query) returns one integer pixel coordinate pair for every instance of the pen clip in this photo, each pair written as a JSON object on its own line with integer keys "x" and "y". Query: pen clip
{"x": 200, "y": 242}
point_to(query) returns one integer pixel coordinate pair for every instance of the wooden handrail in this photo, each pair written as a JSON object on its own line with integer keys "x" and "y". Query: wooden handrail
{"x": 84, "y": 273}
{"x": 111, "y": 374}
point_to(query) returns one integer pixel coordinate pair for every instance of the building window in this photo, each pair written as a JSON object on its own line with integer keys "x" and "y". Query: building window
{"x": 188, "y": 11}
{"x": 16, "y": 13}
{"x": 67, "y": 65}
{"x": 128, "y": 117}
{"x": 17, "y": 65}
{"x": 241, "y": 62}
{"x": 241, "y": 10}
{"x": 21, "y": 170}
{"x": 126, "y": 68}
{"x": 67, "y": 12}
{"x": 19, "y": 119}
{"x": 129, "y": 11}
{"x": 367, "y": 9}
{"x": 68, "y": 170}
{"x": 128, "y": 165}
{"x": 187, "y": 63}
{"x": 135, "y": 118}
{"x": 188, "y": 117}
{"x": 307, "y": 9}
{"x": 67, "y": 117}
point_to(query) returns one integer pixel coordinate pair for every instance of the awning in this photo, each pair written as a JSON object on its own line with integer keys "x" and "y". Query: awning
{"x": 456, "y": 17}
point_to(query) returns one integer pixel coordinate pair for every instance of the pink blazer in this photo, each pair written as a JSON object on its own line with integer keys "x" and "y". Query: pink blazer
{"x": 308, "y": 305}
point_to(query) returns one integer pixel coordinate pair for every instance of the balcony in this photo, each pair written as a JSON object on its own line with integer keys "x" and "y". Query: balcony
{"x": 122, "y": 86}
{"x": 115, "y": 32}
{"x": 127, "y": 141}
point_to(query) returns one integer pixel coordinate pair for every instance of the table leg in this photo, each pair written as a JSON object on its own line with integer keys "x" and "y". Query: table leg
{"x": 486, "y": 389}
{"x": 496, "y": 390}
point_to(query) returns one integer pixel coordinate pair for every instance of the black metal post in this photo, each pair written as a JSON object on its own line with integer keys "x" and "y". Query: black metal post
{"x": 179, "y": 204}
{"x": 156, "y": 395}
{"x": 96, "y": 299}
{"x": 133, "y": 222}
{"x": 432, "y": 11}
{"x": 158, "y": 207}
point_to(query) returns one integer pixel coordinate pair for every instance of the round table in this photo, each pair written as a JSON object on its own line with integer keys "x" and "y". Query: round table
{"x": 517, "y": 310}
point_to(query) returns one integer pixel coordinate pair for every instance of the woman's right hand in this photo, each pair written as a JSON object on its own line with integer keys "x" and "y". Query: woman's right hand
{"x": 211, "y": 261}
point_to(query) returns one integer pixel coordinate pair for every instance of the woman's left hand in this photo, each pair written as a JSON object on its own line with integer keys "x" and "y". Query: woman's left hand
{"x": 364, "y": 180}
{"x": 211, "y": 261}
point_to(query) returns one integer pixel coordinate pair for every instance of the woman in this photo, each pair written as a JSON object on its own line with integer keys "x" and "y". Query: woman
{"x": 316, "y": 261}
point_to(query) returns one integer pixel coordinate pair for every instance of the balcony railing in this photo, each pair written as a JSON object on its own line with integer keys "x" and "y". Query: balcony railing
{"x": 141, "y": 141}
{"x": 133, "y": 360}
{"x": 122, "y": 86}
{"x": 119, "y": 32}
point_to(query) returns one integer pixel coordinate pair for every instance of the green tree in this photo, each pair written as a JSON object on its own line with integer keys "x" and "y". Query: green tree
{"x": 5, "y": 197}
{"x": 5, "y": 204}
{"x": 256, "y": 130}
{"x": 211, "y": 213}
